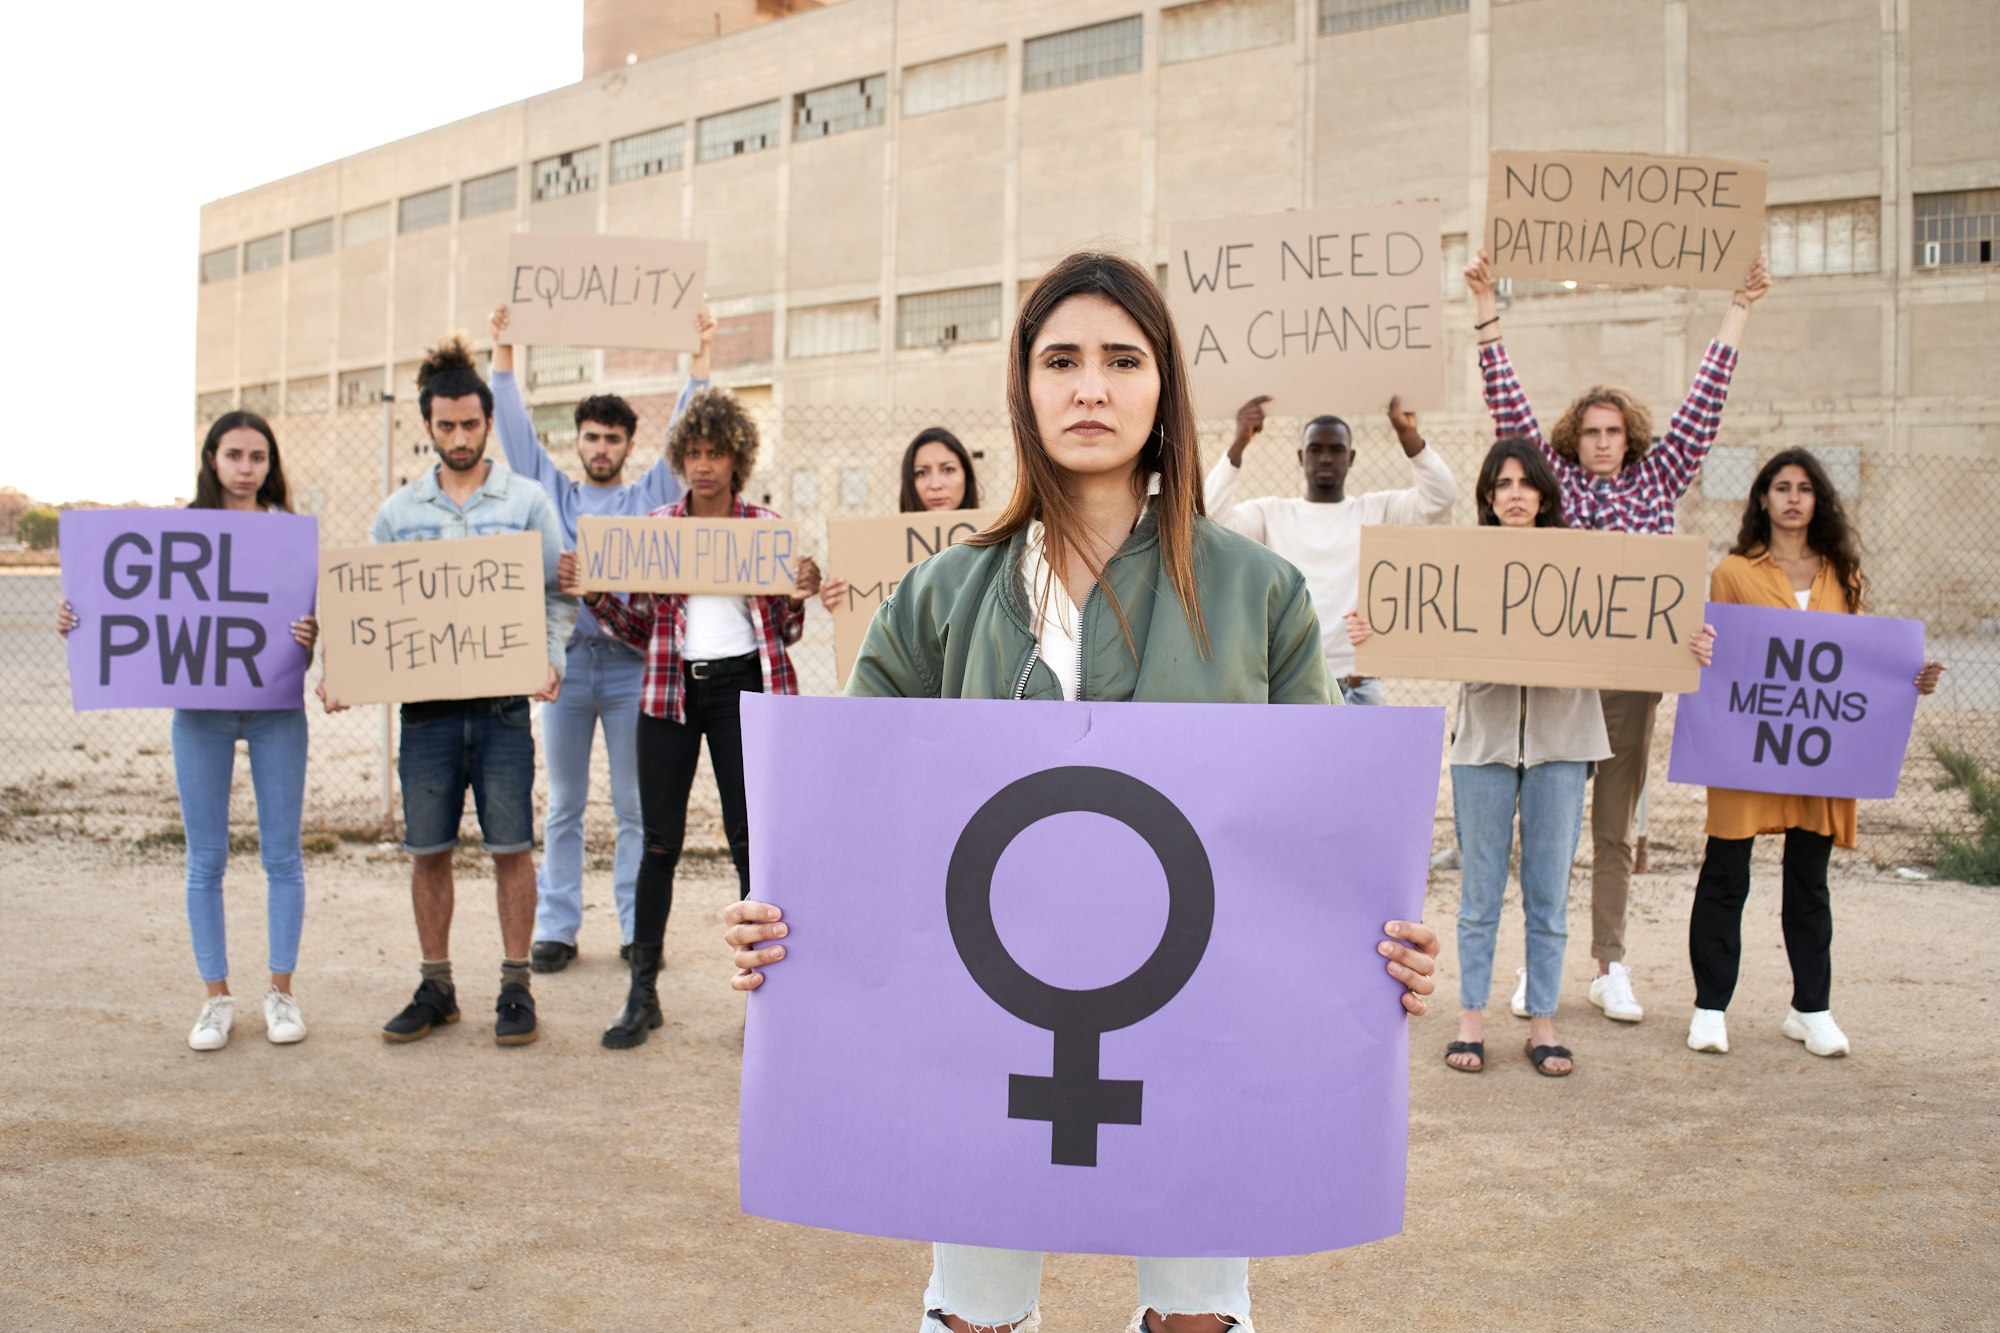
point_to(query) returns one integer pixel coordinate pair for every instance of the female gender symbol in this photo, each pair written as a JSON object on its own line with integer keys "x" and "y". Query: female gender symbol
{"x": 1074, "y": 1100}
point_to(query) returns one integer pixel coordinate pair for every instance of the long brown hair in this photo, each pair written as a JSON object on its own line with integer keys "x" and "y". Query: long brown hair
{"x": 1829, "y": 535}
{"x": 273, "y": 494}
{"x": 1172, "y": 449}
{"x": 1535, "y": 470}
{"x": 1638, "y": 423}
{"x": 912, "y": 503}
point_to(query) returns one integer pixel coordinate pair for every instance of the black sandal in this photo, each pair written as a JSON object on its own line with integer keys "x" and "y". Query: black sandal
{"x": 1476, "y": 1049}
{"x": 1539, "y": 1055}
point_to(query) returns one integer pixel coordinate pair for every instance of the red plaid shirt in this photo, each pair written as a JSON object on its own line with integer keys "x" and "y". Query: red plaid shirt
{"x": 657, "y": 622}
{"x": 1642, "y": 495}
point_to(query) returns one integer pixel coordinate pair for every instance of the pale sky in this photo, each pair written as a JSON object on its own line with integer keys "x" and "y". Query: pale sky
{"x": 123, "y": 118}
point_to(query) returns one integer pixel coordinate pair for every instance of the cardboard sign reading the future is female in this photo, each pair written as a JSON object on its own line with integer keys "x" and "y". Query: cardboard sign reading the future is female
{"x": 1537, "y": 606}
{"x": 605, "y": 291}
{"x": 1326, "y": 309}
{"x": 936, "y": 1039}
{"x": 1624, "y": 218}
{"x": 406, "y": 621}
{"x": 735, "y": 557}
{"x": 873, "y": 554}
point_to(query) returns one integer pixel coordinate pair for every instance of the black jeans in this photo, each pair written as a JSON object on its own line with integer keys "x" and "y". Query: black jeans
{"x": 667, "y": 753}
{"x": 1715, "y": 929}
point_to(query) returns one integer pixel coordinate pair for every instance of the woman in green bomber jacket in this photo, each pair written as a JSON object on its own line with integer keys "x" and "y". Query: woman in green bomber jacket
{"x": 1100, "y": 581}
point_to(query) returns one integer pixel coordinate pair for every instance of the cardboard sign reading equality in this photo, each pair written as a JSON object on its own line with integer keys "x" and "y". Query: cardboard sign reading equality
{"x": 1624, "y": 218}
{"x": 605, "y": 291}
{"x": 735, "y": 557}
{"x": 873, "y": 554}
{"x": 406, "y": 621}
{"x": 187, "y": 608}
{"x": 1538, "y": 606}
{"x": 1328, "y": 309}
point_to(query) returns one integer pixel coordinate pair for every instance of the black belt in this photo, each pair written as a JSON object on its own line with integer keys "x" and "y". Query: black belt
{"x": 722, "y": 666}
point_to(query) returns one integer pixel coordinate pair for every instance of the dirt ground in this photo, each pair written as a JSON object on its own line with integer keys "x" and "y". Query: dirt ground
{"x": 453, "y": 1184}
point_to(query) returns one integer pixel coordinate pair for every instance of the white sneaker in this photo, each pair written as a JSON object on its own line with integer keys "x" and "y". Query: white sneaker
{"x": 1518, "y": 1006}
{"x": 1708, "y": 1032}
{"x": 1138, "y": 1324}
{"x": 211, "y": 1030}
{"x": 283, "y": 1023}
{"x": 1819, "y": 1032}
{"x": 1612, "y": 993}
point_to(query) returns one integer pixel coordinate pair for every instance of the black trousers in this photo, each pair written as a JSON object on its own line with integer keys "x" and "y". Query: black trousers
{"x": 1715, "y": 929}
{"x": 667, "y": 754}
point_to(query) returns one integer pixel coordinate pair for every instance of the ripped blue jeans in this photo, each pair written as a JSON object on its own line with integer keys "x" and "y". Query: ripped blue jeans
{"x": 987, "y": 1286}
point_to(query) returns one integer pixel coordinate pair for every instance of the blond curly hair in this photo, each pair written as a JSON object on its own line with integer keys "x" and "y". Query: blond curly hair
{"x": 1638, "y": 423}
{"x": 715, "y": 415}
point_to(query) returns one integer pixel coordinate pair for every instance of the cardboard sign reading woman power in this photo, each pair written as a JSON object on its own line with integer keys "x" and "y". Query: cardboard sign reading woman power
{"x": 1029, "y": 999}
{"x": 1592, "y": 610}
{"x": 732, "y": 557}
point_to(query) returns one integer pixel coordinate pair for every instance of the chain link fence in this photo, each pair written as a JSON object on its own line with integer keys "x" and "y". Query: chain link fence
{"x": 1923, "y": 521}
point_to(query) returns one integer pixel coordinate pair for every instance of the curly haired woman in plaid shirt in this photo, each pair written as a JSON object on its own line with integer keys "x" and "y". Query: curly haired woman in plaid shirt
{"x": 703, "y": 653}
{"x": 1615, "y": 478}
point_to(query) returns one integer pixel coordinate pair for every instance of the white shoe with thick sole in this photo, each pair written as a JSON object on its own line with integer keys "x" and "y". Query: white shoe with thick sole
{"x": 211, "y": 1030}
{"x": 1138, "y": 1324}
{"x": 1518, "y": 1006}
{"x": 1707, "y": 1031}
{"x": 283, "y": 1023}
{"x": 1612, "y": 993}
{"x": 1819, "y": 1032}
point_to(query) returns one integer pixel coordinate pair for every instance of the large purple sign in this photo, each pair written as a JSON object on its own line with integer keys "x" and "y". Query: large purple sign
{"x": 1084, "y": 977}
{"x": 1802, "y": 703}
{"x": 187, "y": 608}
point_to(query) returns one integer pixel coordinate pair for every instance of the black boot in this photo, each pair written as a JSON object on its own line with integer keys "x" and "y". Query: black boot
{"x": 642, "y": 1003}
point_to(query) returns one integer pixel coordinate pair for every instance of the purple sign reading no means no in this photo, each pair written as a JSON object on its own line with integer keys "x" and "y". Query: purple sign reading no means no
{"x": 187, "y": 608}
{"x": 1084, "y": 977}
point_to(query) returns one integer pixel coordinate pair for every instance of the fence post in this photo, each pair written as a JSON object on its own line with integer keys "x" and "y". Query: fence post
{"x": 388, "y": 479}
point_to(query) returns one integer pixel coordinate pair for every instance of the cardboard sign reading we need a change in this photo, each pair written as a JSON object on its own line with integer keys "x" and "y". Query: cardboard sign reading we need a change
{"x": 873, "y": 554}
{"x": 731, "y": 557}
{"x": 1321, "y": 309}
{"x": 402, "y": 622}
{"x": 605, "y": 291}
{"x": 1592, "y": 610}
{"x": 1624, "y": 218}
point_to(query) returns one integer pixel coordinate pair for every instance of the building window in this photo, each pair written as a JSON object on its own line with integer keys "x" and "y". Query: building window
{"x": 650, "y": 154}
{"x": 979, "y": 76}
{"x": 361, "y": 388}
{"x": 566, "y": 173}
{"x": 831, "y": 330}
{"x": 261, "y": 398}
{"x": 264, "y": 252}
{"x": 805, "y": 489}
{"x": 1218, "y": 27}
{"x": 748, "y": 129}
{"x": 420, "y": 212}
{"x": 1957, "y": 230}
{"x": 560, "y": 365}
{"x": 218, "y": 265}
{"x": 939, "y": 319}
{"x": 555, "y": 424}
{"x": 1096, "y": 52}
{"x": 494, "y": 193}
{"x": 209, "y": 406}
{"x": 403, "y": 379}
{"x": 306, "y": 395}
{"x": 312, "y": 240}
{"x": 854, "y": 105}
{"x": 364, "y": 225}
{"x": 1802, "y": 240}
{"x": 1347, "y": 15}
{"x": 854, "y": 488}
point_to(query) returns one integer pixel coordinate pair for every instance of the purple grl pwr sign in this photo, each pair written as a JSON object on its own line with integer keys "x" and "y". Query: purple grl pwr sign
{"x": 187, "y": 608}
{"x": 1028, "y": 1000}
{"x": 1801, "y": 703}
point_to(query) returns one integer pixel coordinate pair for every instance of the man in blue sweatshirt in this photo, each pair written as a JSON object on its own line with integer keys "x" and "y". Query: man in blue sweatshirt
{"x": 601, "y": 684}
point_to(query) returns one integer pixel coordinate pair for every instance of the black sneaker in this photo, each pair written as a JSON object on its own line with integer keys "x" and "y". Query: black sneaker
{"x": 550, "y": 955}
{"x": 516, "y": 1024}
{"x": 431, "y": 1005}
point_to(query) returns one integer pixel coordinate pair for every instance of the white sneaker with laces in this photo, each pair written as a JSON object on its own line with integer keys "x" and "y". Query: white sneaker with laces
{"x": 1138, "y": 1324}
{"x": 211, "y": 1030}
{"x": 283, "y": 1023}
{"x": 1819, "y": 1032}
{"x": 1612, "y": 993}
{"x": 1518, "y": 1006}
{"x": 1708, "y": 1032}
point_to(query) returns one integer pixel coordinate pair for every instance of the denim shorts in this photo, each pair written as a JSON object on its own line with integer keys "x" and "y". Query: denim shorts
{"x": 485, "y": 744}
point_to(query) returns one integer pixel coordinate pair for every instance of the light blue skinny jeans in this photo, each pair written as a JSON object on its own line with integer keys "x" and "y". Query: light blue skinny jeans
{"x": 986, "y": 1286}
{"x": 1484, "y": 798}
{"x": 601, "y": 684}
{"x": 204, "y": 765}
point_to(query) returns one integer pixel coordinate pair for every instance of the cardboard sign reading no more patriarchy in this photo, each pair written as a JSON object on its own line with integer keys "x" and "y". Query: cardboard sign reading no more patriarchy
{"x": 605, "y": 291}
{"x": 873, "y": 554}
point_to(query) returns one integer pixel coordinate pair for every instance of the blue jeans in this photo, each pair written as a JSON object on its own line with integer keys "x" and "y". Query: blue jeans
{"x": 600, "y": 684}
{"x": 204, "y": 766}
{"x": 485, "y": 744}
{"x": 982, "y": 1285}
{"x": 1483, "y": 801}
{"x": 1367, "y": 691}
